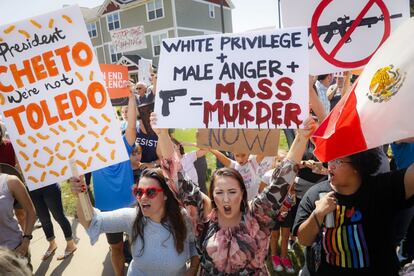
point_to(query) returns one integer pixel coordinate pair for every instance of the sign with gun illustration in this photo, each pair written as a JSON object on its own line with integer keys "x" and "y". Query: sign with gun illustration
{"x": 344, "y": 35}
{"x": 257, "y": 80}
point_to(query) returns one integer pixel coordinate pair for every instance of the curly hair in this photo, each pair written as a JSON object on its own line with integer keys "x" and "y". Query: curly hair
{"x": 173, "y": 219}
{"x": 229, "y": 172}
{"x": 367, "y": 162}
{"x": 10, "y": 264}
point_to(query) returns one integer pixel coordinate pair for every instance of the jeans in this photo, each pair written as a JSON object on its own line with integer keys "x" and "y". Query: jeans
{"x": 50, "y": 198}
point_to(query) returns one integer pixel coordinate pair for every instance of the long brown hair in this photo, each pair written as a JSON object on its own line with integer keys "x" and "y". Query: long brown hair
{"x": 173, "y": 219}
{"x": 229, "y": 172}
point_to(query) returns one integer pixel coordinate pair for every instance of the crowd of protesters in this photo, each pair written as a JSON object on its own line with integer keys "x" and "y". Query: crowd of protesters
{"x": 352, "y": 215}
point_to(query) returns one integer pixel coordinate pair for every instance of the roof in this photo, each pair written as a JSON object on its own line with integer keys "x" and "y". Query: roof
{"x": 133, "y": 58}
{"x": 90, "y": 14}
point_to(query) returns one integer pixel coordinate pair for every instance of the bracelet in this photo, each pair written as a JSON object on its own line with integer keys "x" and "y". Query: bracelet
{"x": 316, "y": 220}
{"x": 29, "y": 237}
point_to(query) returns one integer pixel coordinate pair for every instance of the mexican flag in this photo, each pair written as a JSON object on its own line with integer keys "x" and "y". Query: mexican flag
{"x": 378, "y": 109}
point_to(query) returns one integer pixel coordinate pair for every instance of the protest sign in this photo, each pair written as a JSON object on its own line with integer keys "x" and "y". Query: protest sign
{"x": 144, "y": 71}
{"x": 265, "y": 141}
{"x": 115, "y": 77}
{"x": 129, "y": 39}
{"x": 344, "y": 35}
{"x": 144, "y": 112}
{"x": 54, "y": 101}
{"x": 249, "y": 80}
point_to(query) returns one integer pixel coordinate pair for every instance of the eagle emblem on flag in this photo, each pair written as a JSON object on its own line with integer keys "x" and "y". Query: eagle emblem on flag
{"x": 385, "y": 83}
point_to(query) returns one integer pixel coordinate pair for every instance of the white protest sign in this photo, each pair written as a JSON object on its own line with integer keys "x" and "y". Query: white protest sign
{"x": 144, "y": 70}
{"x": 53, "y": 98}
{"x": 249, "y": 80}
{"x": 344, "y": 35}
{"x": 129, "y": 39}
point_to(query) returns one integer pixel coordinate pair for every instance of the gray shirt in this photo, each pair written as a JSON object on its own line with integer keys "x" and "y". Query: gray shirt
{"x": 10, "y": 232}
{"x": 159, "y": 256}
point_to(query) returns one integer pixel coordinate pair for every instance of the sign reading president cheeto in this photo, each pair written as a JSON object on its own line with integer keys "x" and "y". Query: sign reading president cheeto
{"x": 53, "y": 98}
{"x": 248, "y": 80}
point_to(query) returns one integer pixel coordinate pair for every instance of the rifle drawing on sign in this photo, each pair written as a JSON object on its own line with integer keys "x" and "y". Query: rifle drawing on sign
{"x": 341, "y": 25}
{"x": 168, "y": 96}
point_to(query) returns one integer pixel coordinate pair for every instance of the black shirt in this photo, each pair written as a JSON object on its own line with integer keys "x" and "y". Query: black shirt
{"x": 361, "y": 242}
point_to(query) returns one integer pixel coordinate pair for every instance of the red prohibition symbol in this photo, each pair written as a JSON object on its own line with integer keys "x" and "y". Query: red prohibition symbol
{"x": 330, "y": 57}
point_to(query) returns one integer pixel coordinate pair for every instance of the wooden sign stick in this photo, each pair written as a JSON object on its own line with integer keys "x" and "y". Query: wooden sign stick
{"x": 84, "y": 199}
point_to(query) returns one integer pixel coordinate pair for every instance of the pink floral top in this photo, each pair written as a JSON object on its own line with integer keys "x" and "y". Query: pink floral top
{"x": 239, "y": 250}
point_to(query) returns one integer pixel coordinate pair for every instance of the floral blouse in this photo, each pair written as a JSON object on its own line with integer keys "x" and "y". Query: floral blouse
{"x": 240, "y": 250}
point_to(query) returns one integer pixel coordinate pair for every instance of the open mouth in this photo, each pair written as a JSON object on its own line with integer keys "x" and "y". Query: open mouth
{"x": 145, "y": 206}
{"x": 227, "y": 210}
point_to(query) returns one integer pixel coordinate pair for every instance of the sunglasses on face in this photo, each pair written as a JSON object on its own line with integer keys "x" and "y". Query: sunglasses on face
{"x": 151, "y": 192}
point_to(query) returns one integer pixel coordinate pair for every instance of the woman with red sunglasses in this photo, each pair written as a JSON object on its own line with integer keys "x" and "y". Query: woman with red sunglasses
{"x": 232, "y": 233}
{"x": 161, "y": 236}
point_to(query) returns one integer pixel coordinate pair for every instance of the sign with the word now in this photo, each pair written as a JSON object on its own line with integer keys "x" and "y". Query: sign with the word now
{"x": 115, "y": 77}
{"x": 344, "y": 35}
{"x": 53, "y": 99}
{"x": 249, "y": 80}
{"x": 254, "y": 141}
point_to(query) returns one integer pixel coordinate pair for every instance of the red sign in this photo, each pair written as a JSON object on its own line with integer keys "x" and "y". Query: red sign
{"x": 115, "y": 77}
{"x": 330, "y": 57}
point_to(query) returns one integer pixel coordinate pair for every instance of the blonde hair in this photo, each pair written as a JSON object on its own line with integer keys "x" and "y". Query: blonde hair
{"x": 10, "y": 264}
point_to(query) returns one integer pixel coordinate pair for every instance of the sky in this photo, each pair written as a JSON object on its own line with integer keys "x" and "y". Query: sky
{"x": 246, "y": 16}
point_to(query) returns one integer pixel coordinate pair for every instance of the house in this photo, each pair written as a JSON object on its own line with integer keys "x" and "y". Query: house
{"x": 160, "y": 19}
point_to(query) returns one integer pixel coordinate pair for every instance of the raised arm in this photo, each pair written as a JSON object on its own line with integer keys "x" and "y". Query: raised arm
{"x": 188, "y": 192}
{"x": 120, "y": 220}
{"x": 267, "y": 204}
{"x": 221, "y": 157}
{"x": 131, "y": 131}
{"x": 314, "y": 101}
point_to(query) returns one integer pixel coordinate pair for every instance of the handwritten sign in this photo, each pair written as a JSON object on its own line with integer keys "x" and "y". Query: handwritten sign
{"x": 344, "y": 35}
{"x": 129, "y": 39}
{"x": 265, "y": 141}
{"x": 53, "y": 98}
{"x": 115, "y": 76}
{"x": 144, "y": 71}
{"x": 256, "y": 80}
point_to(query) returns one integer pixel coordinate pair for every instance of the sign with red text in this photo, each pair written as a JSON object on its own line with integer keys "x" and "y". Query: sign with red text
{"x": 129, "y": 39}
{"x": 53, "y": 99}
{"x": 344, "y": 35}
{"x": 249, "y": 80}
{"x": 115, "y": 77}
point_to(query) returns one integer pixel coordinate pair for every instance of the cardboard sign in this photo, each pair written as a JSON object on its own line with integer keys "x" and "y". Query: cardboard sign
{"x": 144, "y": 71}
{"x": 144, "y": 111}
{"x": 344, "y": 35}
{"x": 265, "y": 141}
{"x": 115, "y": 76}
{"x": 53, "y": 99}
{"x": 129, "y": 39}
{"x": 249, "y": 80}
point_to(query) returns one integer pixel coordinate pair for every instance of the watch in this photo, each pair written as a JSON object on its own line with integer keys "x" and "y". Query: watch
{"x": 29, "y": 237}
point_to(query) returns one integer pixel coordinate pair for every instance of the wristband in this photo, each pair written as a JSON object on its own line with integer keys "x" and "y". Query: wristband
{"x": 29, "y": 237}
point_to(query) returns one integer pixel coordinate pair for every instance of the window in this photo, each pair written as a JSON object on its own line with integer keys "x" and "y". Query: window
{"x": 92, "y": 30}
{"x": 114, "y": 55}
{"x": 155, "y": 10}
{"x": 211, "y": 12}
{"x": 113, "y": 21}
{"x": 156, "y": 43}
